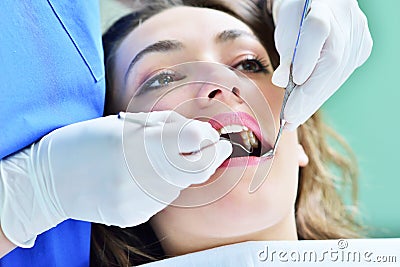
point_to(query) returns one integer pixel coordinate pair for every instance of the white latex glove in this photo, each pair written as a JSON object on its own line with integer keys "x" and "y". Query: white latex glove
{"x": 334, "y": 41}
{"x": 80, "y": 172}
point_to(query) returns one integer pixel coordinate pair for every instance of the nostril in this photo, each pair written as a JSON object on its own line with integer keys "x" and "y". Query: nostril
{"x": 214, "y": 93}
{"x": 236, "y": 91}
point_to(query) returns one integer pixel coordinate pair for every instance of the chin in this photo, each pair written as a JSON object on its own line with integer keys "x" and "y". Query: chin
{"x": 238, "y": 213}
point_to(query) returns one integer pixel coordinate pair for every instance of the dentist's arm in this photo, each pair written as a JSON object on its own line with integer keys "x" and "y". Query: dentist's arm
{"x": 105, "y": 170}
{"x": 335, "y": 40}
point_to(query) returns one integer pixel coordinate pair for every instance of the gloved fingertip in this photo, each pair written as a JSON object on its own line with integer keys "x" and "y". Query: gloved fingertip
{"x": 214, "y": 133}
{"x": 301, "y": 73}
{"x": 199, "y": 132}
{"x": 226, "y": 147}
{"x": 280, "y": 77}
{"x": 223, "y": 151}
{"x": 209, "y": 133}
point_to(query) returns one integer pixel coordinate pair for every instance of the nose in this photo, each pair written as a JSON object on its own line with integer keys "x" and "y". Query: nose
{"x": 217, "y": 93}
{"x": 220, "y": 87}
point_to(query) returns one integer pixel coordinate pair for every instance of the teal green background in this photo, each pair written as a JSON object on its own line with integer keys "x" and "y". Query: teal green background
{"x": 366, "y": 111}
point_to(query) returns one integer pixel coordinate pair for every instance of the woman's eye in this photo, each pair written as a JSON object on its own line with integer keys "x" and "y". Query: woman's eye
{"x": 162, "y": 79}
{"x": 251, "y": 65}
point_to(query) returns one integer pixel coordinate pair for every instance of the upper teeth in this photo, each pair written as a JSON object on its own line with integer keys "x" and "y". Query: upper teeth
{"x": 249, "y": 140}
{"x": 234, "y": 128}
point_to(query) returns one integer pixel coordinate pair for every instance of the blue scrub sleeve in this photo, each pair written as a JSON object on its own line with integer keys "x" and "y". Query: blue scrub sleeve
{"x": 51, "y": 75}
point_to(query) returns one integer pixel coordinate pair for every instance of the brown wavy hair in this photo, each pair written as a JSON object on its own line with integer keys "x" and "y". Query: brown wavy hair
{"x": 321, "y": 212}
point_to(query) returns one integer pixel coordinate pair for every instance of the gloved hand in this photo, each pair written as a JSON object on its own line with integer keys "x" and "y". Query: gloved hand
{"x": 81, "y": 172}
{"x": 334, "y": 41}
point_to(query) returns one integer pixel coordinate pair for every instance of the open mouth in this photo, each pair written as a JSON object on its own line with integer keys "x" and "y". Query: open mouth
{"x": 245, "y": 142}
{"x": 244, "y": 133}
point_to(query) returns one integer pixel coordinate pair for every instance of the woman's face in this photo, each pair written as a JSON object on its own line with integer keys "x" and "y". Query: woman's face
{"x": 188, "y": 34}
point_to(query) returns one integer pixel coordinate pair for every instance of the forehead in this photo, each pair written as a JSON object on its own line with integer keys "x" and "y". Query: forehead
{"x": 193, "y": 26}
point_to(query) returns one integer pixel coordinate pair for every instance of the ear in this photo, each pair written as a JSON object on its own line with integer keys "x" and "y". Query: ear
{"x": 302, "y": 156}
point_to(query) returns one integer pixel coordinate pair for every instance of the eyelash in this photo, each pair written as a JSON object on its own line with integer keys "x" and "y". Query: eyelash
{"x": 261, "y": 63}
{"x": 147, "y": 85}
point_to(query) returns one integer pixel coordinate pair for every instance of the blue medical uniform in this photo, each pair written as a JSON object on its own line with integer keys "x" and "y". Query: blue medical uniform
{"x": 51, "y": 75}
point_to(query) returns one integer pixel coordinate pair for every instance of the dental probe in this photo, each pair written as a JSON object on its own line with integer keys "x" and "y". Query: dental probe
{"x": 290, "y": 87}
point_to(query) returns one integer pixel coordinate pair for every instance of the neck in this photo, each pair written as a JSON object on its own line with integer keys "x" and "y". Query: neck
{"x": 177, "y": 243}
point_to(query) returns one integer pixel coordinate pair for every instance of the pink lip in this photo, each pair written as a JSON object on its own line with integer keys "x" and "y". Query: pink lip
{"x": 244, "y": 119}
{"x": 238, "y": 118}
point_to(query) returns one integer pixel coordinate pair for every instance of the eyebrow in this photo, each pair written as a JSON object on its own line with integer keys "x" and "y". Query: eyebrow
{"x": 231, "y": 35}
{"x": 161, "y": 46}
{"x": 173, "y": 45}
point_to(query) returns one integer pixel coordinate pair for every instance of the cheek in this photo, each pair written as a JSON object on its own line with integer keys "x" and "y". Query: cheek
{"x": 274, "y": 96}
{"x": 181, "y": 99}
{"x": 283, "y": 176}
{"x": 285, "y": 169}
